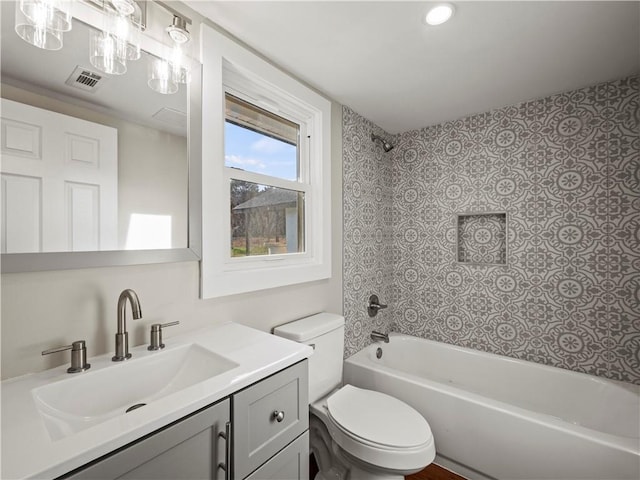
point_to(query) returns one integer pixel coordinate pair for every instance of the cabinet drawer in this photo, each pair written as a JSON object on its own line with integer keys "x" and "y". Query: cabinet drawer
{"x": 258, "y": 435}
{"x": 292, "y": 463}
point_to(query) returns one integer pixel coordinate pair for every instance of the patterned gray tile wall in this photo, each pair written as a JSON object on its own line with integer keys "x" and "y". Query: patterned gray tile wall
{"x": 566, "y": 169}
{"x": 368, "y": 241}
{"x": 481, "y": 238}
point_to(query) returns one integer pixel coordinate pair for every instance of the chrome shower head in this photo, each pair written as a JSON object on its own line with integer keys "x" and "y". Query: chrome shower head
{"x": 385, "y": 144}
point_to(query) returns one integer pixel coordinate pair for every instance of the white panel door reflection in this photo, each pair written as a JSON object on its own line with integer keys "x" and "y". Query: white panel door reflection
{"x": 59, "y": 182}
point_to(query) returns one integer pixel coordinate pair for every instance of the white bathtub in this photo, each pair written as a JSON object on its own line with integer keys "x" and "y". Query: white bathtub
{"x": 499, "y": 417}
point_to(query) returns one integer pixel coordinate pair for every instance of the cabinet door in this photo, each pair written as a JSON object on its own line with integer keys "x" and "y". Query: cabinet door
{"x": 292, "y": 463}
{"x": 258, "y": 432}
{"x": 188, "y": 449}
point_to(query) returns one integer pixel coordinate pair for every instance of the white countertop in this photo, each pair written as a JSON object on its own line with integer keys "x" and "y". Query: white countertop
{"x": 28, "y": 450}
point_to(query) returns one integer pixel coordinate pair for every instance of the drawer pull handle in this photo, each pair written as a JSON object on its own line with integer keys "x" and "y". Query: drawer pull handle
{"x": 278, "y": 416}
{"x": 226, "y": 466}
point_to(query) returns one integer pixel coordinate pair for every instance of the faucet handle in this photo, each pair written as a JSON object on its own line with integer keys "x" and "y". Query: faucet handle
{"x": 78, "y": 356}
{"x": 374, "y": 306}
{"x": 155, "y": 342}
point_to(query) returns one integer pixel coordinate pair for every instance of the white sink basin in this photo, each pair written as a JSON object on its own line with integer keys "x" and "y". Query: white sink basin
{"x": 87, "y": 399}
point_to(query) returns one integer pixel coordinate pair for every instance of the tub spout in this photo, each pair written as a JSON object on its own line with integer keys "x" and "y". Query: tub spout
{"x": 376, "y": 336}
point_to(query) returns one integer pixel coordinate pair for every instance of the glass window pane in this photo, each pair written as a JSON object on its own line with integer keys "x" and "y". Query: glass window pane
{"x": 259, "y": 141}
{"x": 265, "y": 220}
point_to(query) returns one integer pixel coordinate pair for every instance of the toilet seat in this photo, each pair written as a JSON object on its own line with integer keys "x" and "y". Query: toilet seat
{"x": 377, "y": 418}
{"x": 379, "y": 429}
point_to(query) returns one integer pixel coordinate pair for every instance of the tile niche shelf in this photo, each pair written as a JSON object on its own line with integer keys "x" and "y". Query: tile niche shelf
{"x": 481, "y": 238}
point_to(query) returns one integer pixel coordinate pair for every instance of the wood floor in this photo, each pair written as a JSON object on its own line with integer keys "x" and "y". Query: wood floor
{"x": 434, "y": 472}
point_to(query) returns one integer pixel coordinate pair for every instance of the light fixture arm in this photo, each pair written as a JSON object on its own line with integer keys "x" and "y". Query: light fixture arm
{"x": 173, "y": 11}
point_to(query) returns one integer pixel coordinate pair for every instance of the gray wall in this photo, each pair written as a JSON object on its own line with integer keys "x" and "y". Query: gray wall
{"x": 566, "y": 170}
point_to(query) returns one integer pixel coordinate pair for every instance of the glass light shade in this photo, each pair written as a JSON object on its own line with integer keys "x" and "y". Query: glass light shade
{"x": 127, "y": 32}
{"x": 177, "y": 35}
{"x": 181, "y": 74}
{"x": 49, "y": 14}
{"x": 133, "y": 44}
{"x": 37, "y": 35}
{"x": 124, "y": 7}
{"x": 105, "y": 53}
{"x": 179, "y": 60}
{"x": 161, "y": 77}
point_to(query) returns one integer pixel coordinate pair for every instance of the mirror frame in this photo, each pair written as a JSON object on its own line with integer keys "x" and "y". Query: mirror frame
{"x": 43, "y": 261}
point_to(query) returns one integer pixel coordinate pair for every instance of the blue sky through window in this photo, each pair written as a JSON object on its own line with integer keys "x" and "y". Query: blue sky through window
{"x": 254, "y": 152}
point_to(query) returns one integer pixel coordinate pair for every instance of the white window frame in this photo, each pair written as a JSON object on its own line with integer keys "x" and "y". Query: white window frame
{"x": 230, "y": 68}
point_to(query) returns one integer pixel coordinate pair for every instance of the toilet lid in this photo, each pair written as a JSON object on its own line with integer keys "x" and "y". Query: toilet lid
{"x": 378, "y": 418}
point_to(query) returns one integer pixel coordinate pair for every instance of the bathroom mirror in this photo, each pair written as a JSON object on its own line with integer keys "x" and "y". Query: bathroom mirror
{"x": 130, "y": 158}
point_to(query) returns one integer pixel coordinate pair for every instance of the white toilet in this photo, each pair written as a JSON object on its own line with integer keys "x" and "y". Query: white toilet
{"x": 355, "y": 433}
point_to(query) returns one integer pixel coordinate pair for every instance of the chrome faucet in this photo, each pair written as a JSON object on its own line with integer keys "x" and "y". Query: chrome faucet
{"x": 380, "y": 336}
{"x": 122, "y": 336}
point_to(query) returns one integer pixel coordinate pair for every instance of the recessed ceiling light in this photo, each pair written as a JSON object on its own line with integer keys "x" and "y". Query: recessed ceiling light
{"x": 438, "y": 14}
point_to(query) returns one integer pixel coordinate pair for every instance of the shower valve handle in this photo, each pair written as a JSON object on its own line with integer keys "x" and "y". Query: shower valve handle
{"x": 374, "y": 306}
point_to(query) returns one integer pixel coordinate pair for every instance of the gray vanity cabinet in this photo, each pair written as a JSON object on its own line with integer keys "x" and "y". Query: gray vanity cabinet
{"x": 267, "y": 417}
{"x": 188, "y": 449}
{"x": 292, "y": 462}
{"x": 269, "y": 436}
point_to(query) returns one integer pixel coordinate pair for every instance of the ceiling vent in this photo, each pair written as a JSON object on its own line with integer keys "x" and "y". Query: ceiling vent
{"x": 84, "y": 79}
{"x": 171, "y": 116}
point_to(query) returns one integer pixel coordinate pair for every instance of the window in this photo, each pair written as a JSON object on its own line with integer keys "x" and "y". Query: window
{"x": 266, "y": 174}
{"x": 266, "y": 219}
{"x": 271, "y": 140}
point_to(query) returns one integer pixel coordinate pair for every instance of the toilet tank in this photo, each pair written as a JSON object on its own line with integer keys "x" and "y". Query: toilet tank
{"x": 325, "y": 333}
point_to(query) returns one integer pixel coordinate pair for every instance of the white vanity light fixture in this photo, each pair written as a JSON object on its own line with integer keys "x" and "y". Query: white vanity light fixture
{"x": 42, "y": 23}
{"x": 439, "y": 14}
{"x": 180, "y": 54}
{"x": 118, "y": 40}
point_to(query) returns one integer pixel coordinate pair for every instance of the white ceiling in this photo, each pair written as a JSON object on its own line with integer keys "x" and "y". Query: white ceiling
{"x": 380, "y": 59}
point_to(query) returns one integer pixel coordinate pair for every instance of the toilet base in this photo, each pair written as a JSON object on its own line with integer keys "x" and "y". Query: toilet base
{"x": 356, "y": 474}
{"x": 359, "y": 474}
